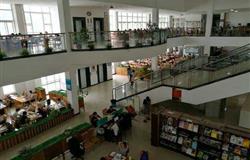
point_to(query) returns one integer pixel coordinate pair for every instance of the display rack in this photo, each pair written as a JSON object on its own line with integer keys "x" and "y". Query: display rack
{"x": 199, "y": 138}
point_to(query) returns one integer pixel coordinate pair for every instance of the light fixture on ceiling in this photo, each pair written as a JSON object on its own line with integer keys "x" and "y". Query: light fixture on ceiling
{"x": 232, "y": 10}
{"x": 236, "y": 11}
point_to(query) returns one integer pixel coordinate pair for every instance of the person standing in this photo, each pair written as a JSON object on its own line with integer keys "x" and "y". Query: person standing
{"x": 132, "y": 78}
{"x": 146, "y": 105}
{"x": 129, "y": 73}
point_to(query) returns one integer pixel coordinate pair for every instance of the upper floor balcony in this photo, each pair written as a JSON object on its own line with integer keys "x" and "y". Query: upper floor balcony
{"x": 21, "y": 46}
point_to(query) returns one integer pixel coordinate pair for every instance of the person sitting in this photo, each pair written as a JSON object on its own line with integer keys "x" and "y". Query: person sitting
{"x": 123, "y": 148}
{"x": 102, "y": 158}
{"x": 75, "y": 148}
{"x": 42, "y": 112}
{"x": 115, "y": 129}
{"x": 131, "y": 111}
{"x": 24, "y": 118}
{"x": 94, "y": 118}
{"x": 144, "y": 155}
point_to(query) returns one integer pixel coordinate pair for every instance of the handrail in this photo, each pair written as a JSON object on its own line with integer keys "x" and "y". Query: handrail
{"x": 190, "y": 70}
{"x": 30, "y": 35}
{"x": 236, "y": 49}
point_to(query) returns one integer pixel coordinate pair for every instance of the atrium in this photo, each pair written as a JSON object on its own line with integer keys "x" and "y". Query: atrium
{"x": 124, "y": 79}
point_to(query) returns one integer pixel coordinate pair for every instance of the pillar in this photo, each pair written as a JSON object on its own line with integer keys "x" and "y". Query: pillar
{"x": 72, "y": 90}
{"x": 154, "y": 63}
{"x": 18, "y": 14}
{"x": 65, "y": 19}
{"x": 155, "y": 16}
{"x": 210, "y": 12}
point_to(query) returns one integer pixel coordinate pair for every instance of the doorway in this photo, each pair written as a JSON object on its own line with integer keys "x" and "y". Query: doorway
{"x": 99, "y": 28}
{"x": 79, "y": 24}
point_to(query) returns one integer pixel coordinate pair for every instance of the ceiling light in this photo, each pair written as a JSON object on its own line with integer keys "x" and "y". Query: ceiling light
{"x": 231, "y": 10}
{"x": 236, "y": 11}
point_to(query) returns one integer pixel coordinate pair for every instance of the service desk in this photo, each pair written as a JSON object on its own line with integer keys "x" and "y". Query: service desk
{"x": 61, "y": 94}
{"x": 56, "y": 145}
{"x": 121, "y": 71}
{"x": 30, "y": 130}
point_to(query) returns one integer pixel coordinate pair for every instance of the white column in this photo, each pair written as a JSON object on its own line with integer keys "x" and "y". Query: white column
{"x": 18, "y": 14}
{"x": 72, "y": 90}
{"x": 210, "y": 12}
{"x": 65, "y": 19}
{"x": 154, "y": 63}
{"x": 155, "y": 16}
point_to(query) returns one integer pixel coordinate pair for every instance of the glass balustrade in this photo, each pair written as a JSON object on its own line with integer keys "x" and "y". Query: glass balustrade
{"x": 81, "y": 41}
{"x": 201, "y": 73}
{"x": 27, "y": 45}
{"x": 237, "y": 31}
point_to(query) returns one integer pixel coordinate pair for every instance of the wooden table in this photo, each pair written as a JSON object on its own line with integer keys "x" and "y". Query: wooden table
{"x": 19, "y": 101}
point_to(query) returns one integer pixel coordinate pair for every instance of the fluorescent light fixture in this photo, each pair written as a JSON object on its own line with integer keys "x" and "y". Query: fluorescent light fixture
{"x": 236, "y": 11}
{"x": 232, "y": 10}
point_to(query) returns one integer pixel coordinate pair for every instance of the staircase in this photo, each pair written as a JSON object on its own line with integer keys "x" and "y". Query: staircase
{"x": 196, "y": 75}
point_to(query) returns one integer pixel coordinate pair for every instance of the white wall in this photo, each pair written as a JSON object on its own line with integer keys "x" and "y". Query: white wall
{"x": 109, "y": 71}
{"x": 241, "y": 17}
{"x": 215, "y": 91}
{"x": 244, "y": 119}
{"x": 97, "y": 12}
{"x": 157, "y": 95}
{"x": 93, "y": 75}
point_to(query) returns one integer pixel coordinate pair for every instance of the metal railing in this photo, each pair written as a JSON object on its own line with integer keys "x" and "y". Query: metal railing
{"x": 187, "y": 79}
{"x": 19, "y": 45}
{"x": 126, "y": 39}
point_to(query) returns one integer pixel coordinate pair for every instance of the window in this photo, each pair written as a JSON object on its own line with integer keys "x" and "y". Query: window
{"x": 54, "y": 82}
{"x": 38, "y": 19}
{"x": 164, "y": 21}
{"x": 125, "y": 20}
{"x": 7, "y": 25}
{"x": 9, "y": 89}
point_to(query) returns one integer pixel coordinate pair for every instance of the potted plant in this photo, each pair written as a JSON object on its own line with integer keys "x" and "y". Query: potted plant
{"x": 127, "y": 45}
{"x": 109, "y": 45}
{"x": 24, "y": 52}
{"x": 48, "y": 50}
{"x": 91, "y": 45}
{"x": 2, "y": 54}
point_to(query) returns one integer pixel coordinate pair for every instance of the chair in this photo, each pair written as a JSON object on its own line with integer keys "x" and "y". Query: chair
{"x": 75, "y": 149}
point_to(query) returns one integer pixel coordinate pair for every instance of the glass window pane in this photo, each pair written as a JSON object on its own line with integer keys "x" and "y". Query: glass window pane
{"x": 3, "y": 30}
{"x": 5, "y": 6}
{"x": 10, "y": 27}
{"x": 6, "y": 15}
{"x": 124, "y": 26}
{"x": 119, "y": 19}
{"x": 48, "y": 28}
{"x": 9, "y": 89}
{"x": 51, "y": 79}
{"x": 27, "y": 18}
{"x": 44, "y": 80}
{"x": 47, "y": 19}
{"x": 129, "y": 19}
{"x": 35, "y": 9}
{"x": 124, "y": 19}
{"x": 45, "y": 9}
{"x": 29, "y": 29}
{"x": 37, "y": 22}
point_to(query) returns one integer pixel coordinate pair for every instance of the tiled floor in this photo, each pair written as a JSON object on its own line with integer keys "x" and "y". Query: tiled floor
{"x": 98, "y": 98}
